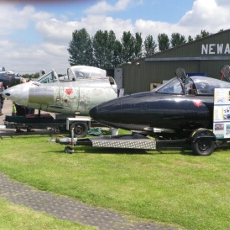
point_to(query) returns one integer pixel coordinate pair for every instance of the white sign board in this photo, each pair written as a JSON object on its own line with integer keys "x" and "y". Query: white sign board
{"x": 221, "y": 113}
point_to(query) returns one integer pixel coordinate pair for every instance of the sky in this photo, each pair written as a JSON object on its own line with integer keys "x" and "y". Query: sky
{"x": 35, "y": 34}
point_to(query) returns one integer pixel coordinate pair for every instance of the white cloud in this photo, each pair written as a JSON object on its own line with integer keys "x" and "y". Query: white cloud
{"x": 15, "y": 19}
{"x": 60, "y": 32}
{"x": 103, "y": 7}
{"x": 223, "y": 2}
{"x": 94, "y": 23}
{"x": 32, "y": 59}
{"x": 12, "y": 19}
{"x": 56, "y": 31}
{"x": 205, "y": 16}
{"x": 152, "y": 27}
{"x": 54, "y": 50}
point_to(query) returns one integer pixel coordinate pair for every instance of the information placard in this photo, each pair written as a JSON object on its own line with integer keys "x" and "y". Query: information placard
{"x": 221, "y": 113}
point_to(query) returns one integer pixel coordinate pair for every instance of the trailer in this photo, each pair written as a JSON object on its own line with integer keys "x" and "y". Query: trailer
{"x": 79, "y": 125}
{"x": 202, "y": 142}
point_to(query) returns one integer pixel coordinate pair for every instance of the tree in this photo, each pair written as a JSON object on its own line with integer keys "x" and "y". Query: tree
{"x": 114, "y": 50}
{"x": 117, "y": 53}
{"x": 105, "y": 45}
{"x": 177, "y": 39}
{"x": 128, "y": 47}
{"x": 80, "y": 48}
{"x": 149, "y": 45}
{"x": 100, "y": 41}
{"x": 163, "y": 42}
{"x": 105, "y": 51}
{"x": 202, "y": 34}
{"x": 28, "y": 76}
{"x": 190, "y": 39}
{"x": 138, "y": 45}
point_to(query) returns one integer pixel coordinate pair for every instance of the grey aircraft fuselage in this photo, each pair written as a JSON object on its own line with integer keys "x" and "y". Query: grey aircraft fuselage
{"x": 68, "y": 97}
{"x": 9, "y": 78}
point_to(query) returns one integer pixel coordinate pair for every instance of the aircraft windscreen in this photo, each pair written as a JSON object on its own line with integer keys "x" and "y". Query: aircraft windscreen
{"x": 47, "y": 78}
{"x": 171, "y": 87}
{"x": 87, "y": 72}
{"x": 206, "y": 85}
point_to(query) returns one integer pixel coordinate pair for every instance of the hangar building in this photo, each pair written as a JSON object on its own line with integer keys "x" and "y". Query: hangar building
{"x": 205, "y": 56}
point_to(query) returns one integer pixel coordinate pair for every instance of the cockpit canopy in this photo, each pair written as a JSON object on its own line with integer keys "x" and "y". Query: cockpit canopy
{"x": 74, "y": 73}
{"x": 198, "y": 85}
{"x": 52, "y": 76}
{"x": 85, "y": 72}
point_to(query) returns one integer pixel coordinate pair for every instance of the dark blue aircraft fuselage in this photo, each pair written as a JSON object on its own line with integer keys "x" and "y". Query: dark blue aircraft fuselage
{"x": 145, "y": 111}
{"x": 178, "y": 106}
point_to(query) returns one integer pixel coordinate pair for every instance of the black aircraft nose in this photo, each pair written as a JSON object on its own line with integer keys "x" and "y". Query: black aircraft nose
{"x": 107, "y": 112}
{"x": 93, "y": 113}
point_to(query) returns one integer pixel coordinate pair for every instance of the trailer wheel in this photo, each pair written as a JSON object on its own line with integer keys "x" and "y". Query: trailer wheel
{"x": 203, "y": 146}
{"x": 69, "y": 150}
{"x": 80, "y": 129}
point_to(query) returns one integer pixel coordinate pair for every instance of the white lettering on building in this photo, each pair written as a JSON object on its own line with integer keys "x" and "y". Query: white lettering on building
{"x": 219, "y": 48}
{"x": 210, "y": 49}
{"x": 226, "y": 49}
{"x": 204, "y": 49}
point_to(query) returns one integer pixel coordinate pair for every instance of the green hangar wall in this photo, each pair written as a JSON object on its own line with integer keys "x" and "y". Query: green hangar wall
{"x": 207, "y": 55}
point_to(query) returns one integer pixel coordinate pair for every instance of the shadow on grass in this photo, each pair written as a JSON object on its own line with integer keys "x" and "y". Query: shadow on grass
{"x": 23, "y": 135}
{"x": 99, "y": 150}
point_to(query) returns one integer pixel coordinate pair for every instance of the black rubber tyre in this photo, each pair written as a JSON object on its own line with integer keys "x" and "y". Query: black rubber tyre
{"x": 80, "y": 129}
{"x": 203, "y": 146}
{"x": 69, "y": 150}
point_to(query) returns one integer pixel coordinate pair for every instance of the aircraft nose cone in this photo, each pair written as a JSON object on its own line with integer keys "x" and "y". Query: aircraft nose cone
{"x": 93, "y": 113}
{"x": 7, "y": 94}
{"x": 107, "y": 113}
{"x": 18, "y": 93}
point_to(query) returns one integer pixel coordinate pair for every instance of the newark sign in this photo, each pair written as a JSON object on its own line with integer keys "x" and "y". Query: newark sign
{"x": 215, "y": 49}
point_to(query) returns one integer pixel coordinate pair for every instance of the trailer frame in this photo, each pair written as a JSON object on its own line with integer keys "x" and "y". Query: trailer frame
{"x": 201, "y": 141}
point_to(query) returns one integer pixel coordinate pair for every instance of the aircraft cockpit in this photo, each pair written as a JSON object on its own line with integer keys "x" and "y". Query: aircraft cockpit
{"x": 173, "y": 86}
{"x": 74, "y": 73}
{"x": 201, "y": 85}
{"x": 85, "y": 72}
{"x": 194, "y": 85}
{"x": 49, "y": 77}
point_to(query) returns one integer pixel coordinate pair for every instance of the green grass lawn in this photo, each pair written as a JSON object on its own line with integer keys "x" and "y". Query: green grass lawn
{"x": 173, "y": 188}
{"x": 19, "y": 217}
